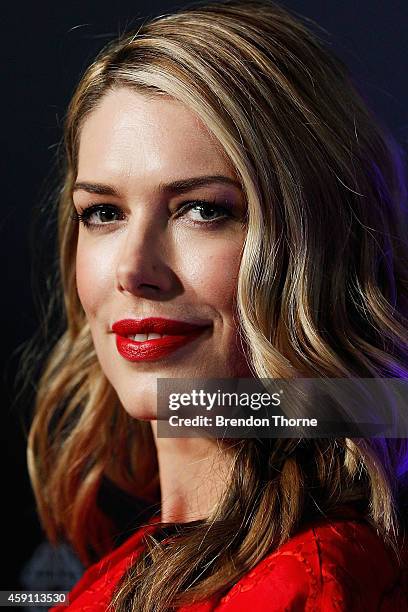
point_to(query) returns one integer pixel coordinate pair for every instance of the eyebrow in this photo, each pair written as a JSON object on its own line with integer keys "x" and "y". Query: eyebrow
{"x": 175, "y": 187}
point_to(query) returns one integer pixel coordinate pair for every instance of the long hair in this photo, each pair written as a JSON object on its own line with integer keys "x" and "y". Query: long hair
{"x": 322, "y": 292}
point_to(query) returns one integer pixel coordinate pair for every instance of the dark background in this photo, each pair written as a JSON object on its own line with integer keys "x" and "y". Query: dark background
{"x": 45, "y": 47}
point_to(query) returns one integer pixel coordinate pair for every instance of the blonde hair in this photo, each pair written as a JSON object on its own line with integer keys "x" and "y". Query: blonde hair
{"x": 322, "y": 292}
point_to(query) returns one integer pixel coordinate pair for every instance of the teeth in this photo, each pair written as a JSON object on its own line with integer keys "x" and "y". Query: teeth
{"x": 139, "y": 337}
{"x": 149, "y": 336}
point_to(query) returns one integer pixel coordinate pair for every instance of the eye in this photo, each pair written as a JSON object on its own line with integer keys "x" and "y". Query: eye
{"x": 97, "y": 215}
{"x": 206, "y": 212}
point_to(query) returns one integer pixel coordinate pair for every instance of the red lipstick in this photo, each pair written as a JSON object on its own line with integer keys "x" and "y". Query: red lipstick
{"x": 177, "y": 334}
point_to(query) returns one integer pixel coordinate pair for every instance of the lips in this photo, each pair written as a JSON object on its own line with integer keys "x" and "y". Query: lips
{"x": 178, "y": 334}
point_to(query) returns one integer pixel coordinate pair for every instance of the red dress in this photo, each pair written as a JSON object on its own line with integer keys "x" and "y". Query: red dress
{"x": 330, "y": 566}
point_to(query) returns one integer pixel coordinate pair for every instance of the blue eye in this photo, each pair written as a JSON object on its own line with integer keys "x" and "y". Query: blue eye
{"x": 210, "y": 212}
{"x": 105, "y": 212}
{"x": 96, "y": 216}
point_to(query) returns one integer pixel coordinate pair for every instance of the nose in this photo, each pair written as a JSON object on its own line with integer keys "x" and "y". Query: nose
{"x": 141, "y": 267}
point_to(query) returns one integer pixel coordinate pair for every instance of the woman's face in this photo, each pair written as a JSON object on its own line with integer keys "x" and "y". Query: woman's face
{"x": 142, "y": 252}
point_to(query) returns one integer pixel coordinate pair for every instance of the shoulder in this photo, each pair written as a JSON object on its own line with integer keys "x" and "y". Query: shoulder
{"x": 339, "y": 565}
{"x": 97, "y": 583}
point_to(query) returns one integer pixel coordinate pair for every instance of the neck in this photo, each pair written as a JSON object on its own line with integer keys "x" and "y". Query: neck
{"x": 193, "y": 474}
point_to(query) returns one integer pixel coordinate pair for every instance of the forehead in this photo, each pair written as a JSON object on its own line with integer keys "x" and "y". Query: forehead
{"x": 132, "y": 135}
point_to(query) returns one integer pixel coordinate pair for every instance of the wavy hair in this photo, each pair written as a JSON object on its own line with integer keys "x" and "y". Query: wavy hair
{"x": 322, "y": 292}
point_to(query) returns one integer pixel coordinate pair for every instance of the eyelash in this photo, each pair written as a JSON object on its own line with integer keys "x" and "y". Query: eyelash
{"x": 84, "y": 214}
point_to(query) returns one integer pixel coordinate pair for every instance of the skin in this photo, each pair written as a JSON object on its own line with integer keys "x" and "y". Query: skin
{"x": 141, "y": 260}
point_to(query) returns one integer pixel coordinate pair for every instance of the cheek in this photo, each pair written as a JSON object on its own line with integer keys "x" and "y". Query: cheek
{"x": 93, "y": 276}
{"x": 211, "y": 268}
{"x": 207, "y": 268}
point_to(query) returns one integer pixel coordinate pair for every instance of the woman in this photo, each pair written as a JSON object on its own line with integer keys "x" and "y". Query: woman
{"x": 226, "y": 187}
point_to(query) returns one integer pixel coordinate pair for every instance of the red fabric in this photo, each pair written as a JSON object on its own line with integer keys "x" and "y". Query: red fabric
{"x": 331, "y": 566}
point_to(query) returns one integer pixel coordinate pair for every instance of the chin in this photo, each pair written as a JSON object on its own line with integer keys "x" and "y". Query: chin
{"x": 139, "y": 411}
{"x": 138, "y": 397}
